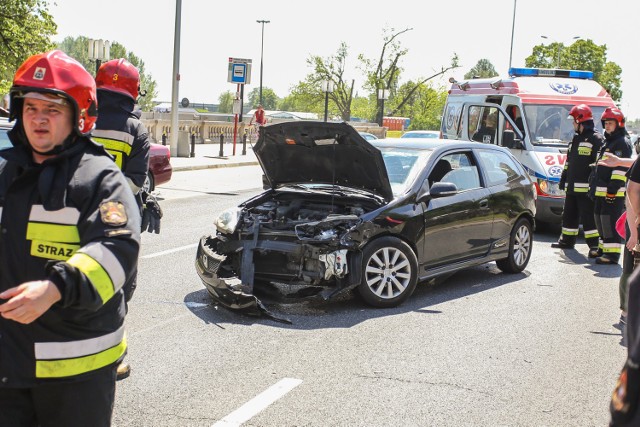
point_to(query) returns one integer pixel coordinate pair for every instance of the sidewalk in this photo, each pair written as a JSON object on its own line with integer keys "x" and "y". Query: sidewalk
{"x": 206, "y": 157}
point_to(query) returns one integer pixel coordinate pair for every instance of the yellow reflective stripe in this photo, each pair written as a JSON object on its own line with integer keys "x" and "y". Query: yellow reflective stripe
{"x": 56, "y": 350}
{"x": 570, "y": 231}
{"x": 580, "y": 190}
{"x": 52, "y": 250}
{"x": 619, "y": 178}
{"x": 97, "y": 275}
{"x": 116, "y": 135}
{"x": 80, "y": 365}
{"x": 591, "y": 233}
{"x": 108, "y": 261}
{"x": 53, "y": 232}
{"x": 111, "y": 144}
{"x": 116, "y": 148}
{"x": 65, "y": 216}
{"x": 611, "y": 250}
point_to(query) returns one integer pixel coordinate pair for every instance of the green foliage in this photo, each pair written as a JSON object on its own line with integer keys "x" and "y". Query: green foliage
{"x": 25, "y": 29}
{"x": 424, "y": 105}
{"x": 225, "y": 101}
{"x": 483, "y": 69}
{"x": 365, "y": 108}
{"x": 78, "y": 48}
{"x": 269, "y": 98}
{"x": 305, "y": 96}
{"x": 330, "y": 69}
{"x": 581, "y": 55}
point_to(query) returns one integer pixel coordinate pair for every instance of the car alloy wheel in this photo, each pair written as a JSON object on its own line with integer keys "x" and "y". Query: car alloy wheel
{"x": 520, "y": 245}
{"x": 389, "y": 273}
{"x": 149, "y": 184}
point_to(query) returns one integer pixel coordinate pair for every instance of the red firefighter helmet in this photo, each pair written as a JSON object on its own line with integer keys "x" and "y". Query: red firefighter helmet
{"x": 119, "y": 75}
{"x": 56, "y": 73}
{"x": 581, "y": 113}
{"x": 613, "y": 113}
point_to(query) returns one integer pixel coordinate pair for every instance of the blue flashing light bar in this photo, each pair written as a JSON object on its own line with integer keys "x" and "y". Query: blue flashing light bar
{"x": 547, "y": 72}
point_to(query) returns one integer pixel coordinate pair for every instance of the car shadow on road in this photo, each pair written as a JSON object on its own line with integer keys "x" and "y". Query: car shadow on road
{"x": 349, "y": 309}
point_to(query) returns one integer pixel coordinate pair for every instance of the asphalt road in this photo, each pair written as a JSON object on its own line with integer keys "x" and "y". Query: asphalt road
{"x": 482, "y": 349}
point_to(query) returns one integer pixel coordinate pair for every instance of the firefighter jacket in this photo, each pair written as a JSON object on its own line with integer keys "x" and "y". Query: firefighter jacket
{"x": 72, "y": 220}
{"x": 123, "y": 135}
{"x": 608, "y": 180}
{"x": 583, "y": 151}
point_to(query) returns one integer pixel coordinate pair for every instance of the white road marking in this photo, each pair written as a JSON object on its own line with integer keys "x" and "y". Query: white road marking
{"x": 170, "y": 251}
{"x": 258, "y": 403}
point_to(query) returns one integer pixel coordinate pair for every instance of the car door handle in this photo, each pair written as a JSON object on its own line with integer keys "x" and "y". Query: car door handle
{"x": 484, "y": 204}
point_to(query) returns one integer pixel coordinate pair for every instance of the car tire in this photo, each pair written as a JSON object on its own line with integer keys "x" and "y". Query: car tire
{"x": 389, "y": 272}
{"x": 520, "y": 245}
{"x": 149, "y": 183}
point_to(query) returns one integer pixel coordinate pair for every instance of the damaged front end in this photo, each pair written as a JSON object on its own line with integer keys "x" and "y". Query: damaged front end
{"x": 287, "y": 248}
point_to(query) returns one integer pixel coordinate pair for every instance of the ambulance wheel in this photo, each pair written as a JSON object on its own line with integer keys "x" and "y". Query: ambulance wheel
{"x": 520, "y": 244}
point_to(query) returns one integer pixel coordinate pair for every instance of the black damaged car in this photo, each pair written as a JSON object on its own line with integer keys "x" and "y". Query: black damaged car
{"x": 343, "y": 213}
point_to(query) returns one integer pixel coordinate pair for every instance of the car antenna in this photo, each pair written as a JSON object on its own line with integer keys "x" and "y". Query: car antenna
{"x": 333, "y": 178}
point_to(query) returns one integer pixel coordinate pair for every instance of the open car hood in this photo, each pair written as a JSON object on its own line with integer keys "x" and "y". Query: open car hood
{"x": 321, "y": 153}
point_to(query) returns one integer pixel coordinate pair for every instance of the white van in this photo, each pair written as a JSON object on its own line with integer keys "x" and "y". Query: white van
{"x": 526, "y": 112}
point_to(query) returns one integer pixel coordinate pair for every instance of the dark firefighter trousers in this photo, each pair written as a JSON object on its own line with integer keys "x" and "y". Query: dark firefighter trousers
{"x": 81, "y": 403}
{"x": 578, "y": 209}
{"x": 606, "y": 215}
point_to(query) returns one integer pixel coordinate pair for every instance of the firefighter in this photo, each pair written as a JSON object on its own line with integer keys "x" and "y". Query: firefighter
{"x": 70, "y": 240}
{"x": 125, "y": 137}
{"x": 578, "y": 207}
{"x": 608, "y": 187}
{"x": 625, "y": 398}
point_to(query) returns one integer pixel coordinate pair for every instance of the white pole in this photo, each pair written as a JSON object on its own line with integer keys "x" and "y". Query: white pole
{"x": 513, "y": 26}
{"x": 173, "y": 140}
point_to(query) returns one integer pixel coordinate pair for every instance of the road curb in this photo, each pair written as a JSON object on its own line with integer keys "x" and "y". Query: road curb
{"x": 219, "y": 165}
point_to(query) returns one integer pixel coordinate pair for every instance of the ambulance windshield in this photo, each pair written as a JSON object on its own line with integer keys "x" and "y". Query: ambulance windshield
{"x": 549, "y": 123}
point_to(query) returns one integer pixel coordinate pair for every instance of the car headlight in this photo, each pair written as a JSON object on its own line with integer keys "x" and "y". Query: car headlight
{"x": 550, "y": 188}
{"x": 228, "y": 220}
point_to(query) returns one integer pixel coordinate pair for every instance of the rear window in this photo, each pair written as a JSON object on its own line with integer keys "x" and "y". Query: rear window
{"x": 500, "y": 167}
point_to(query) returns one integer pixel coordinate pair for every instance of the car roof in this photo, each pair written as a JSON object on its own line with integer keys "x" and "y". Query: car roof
{"x": 430, "y": 144}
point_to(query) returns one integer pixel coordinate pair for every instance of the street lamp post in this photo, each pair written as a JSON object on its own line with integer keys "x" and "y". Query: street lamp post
{"x": 261, "y": 52}
{"x": 99, "y": 51}
{"x": 513, "y": 27}
{"x": 327, "y": 87}
{"x": 560, "y": 46}
{"x": 382, "y": 95}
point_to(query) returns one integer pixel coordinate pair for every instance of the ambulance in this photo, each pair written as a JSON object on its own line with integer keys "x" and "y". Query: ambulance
{"x": 526, "y": 112}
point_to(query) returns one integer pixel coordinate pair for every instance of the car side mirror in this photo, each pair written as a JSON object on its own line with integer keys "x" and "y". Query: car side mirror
{"x": 440, "y": 189}
{"x": 509, "y": 140}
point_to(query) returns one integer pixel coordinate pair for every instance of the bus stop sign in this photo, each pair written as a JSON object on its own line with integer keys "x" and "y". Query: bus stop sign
{"x": 239, "y": 71}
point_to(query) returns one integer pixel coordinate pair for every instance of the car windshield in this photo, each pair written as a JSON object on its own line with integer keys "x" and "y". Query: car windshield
{"x": 433, "y": 134}
{"x": 4, "y": 139}
{"x": 403, "y": 167}
{"x": 549, "y": 123}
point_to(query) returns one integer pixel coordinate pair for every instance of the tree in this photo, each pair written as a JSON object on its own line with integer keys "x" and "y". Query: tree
{"x": 386, "y": 73}
{"x": 225, "y": 101}
{"x": 581, "y": 55}
{"x": 77, "y": 48}
{"x": 383, "y": 73}
{"x": 269, "y": 98}
{"x": 483, "y": 69}
{"x": 25, "y": 29}
{"x": 424, "y": 105}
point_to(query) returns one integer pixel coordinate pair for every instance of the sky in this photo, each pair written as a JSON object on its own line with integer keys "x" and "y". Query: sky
{"x": 213, "y": 31}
